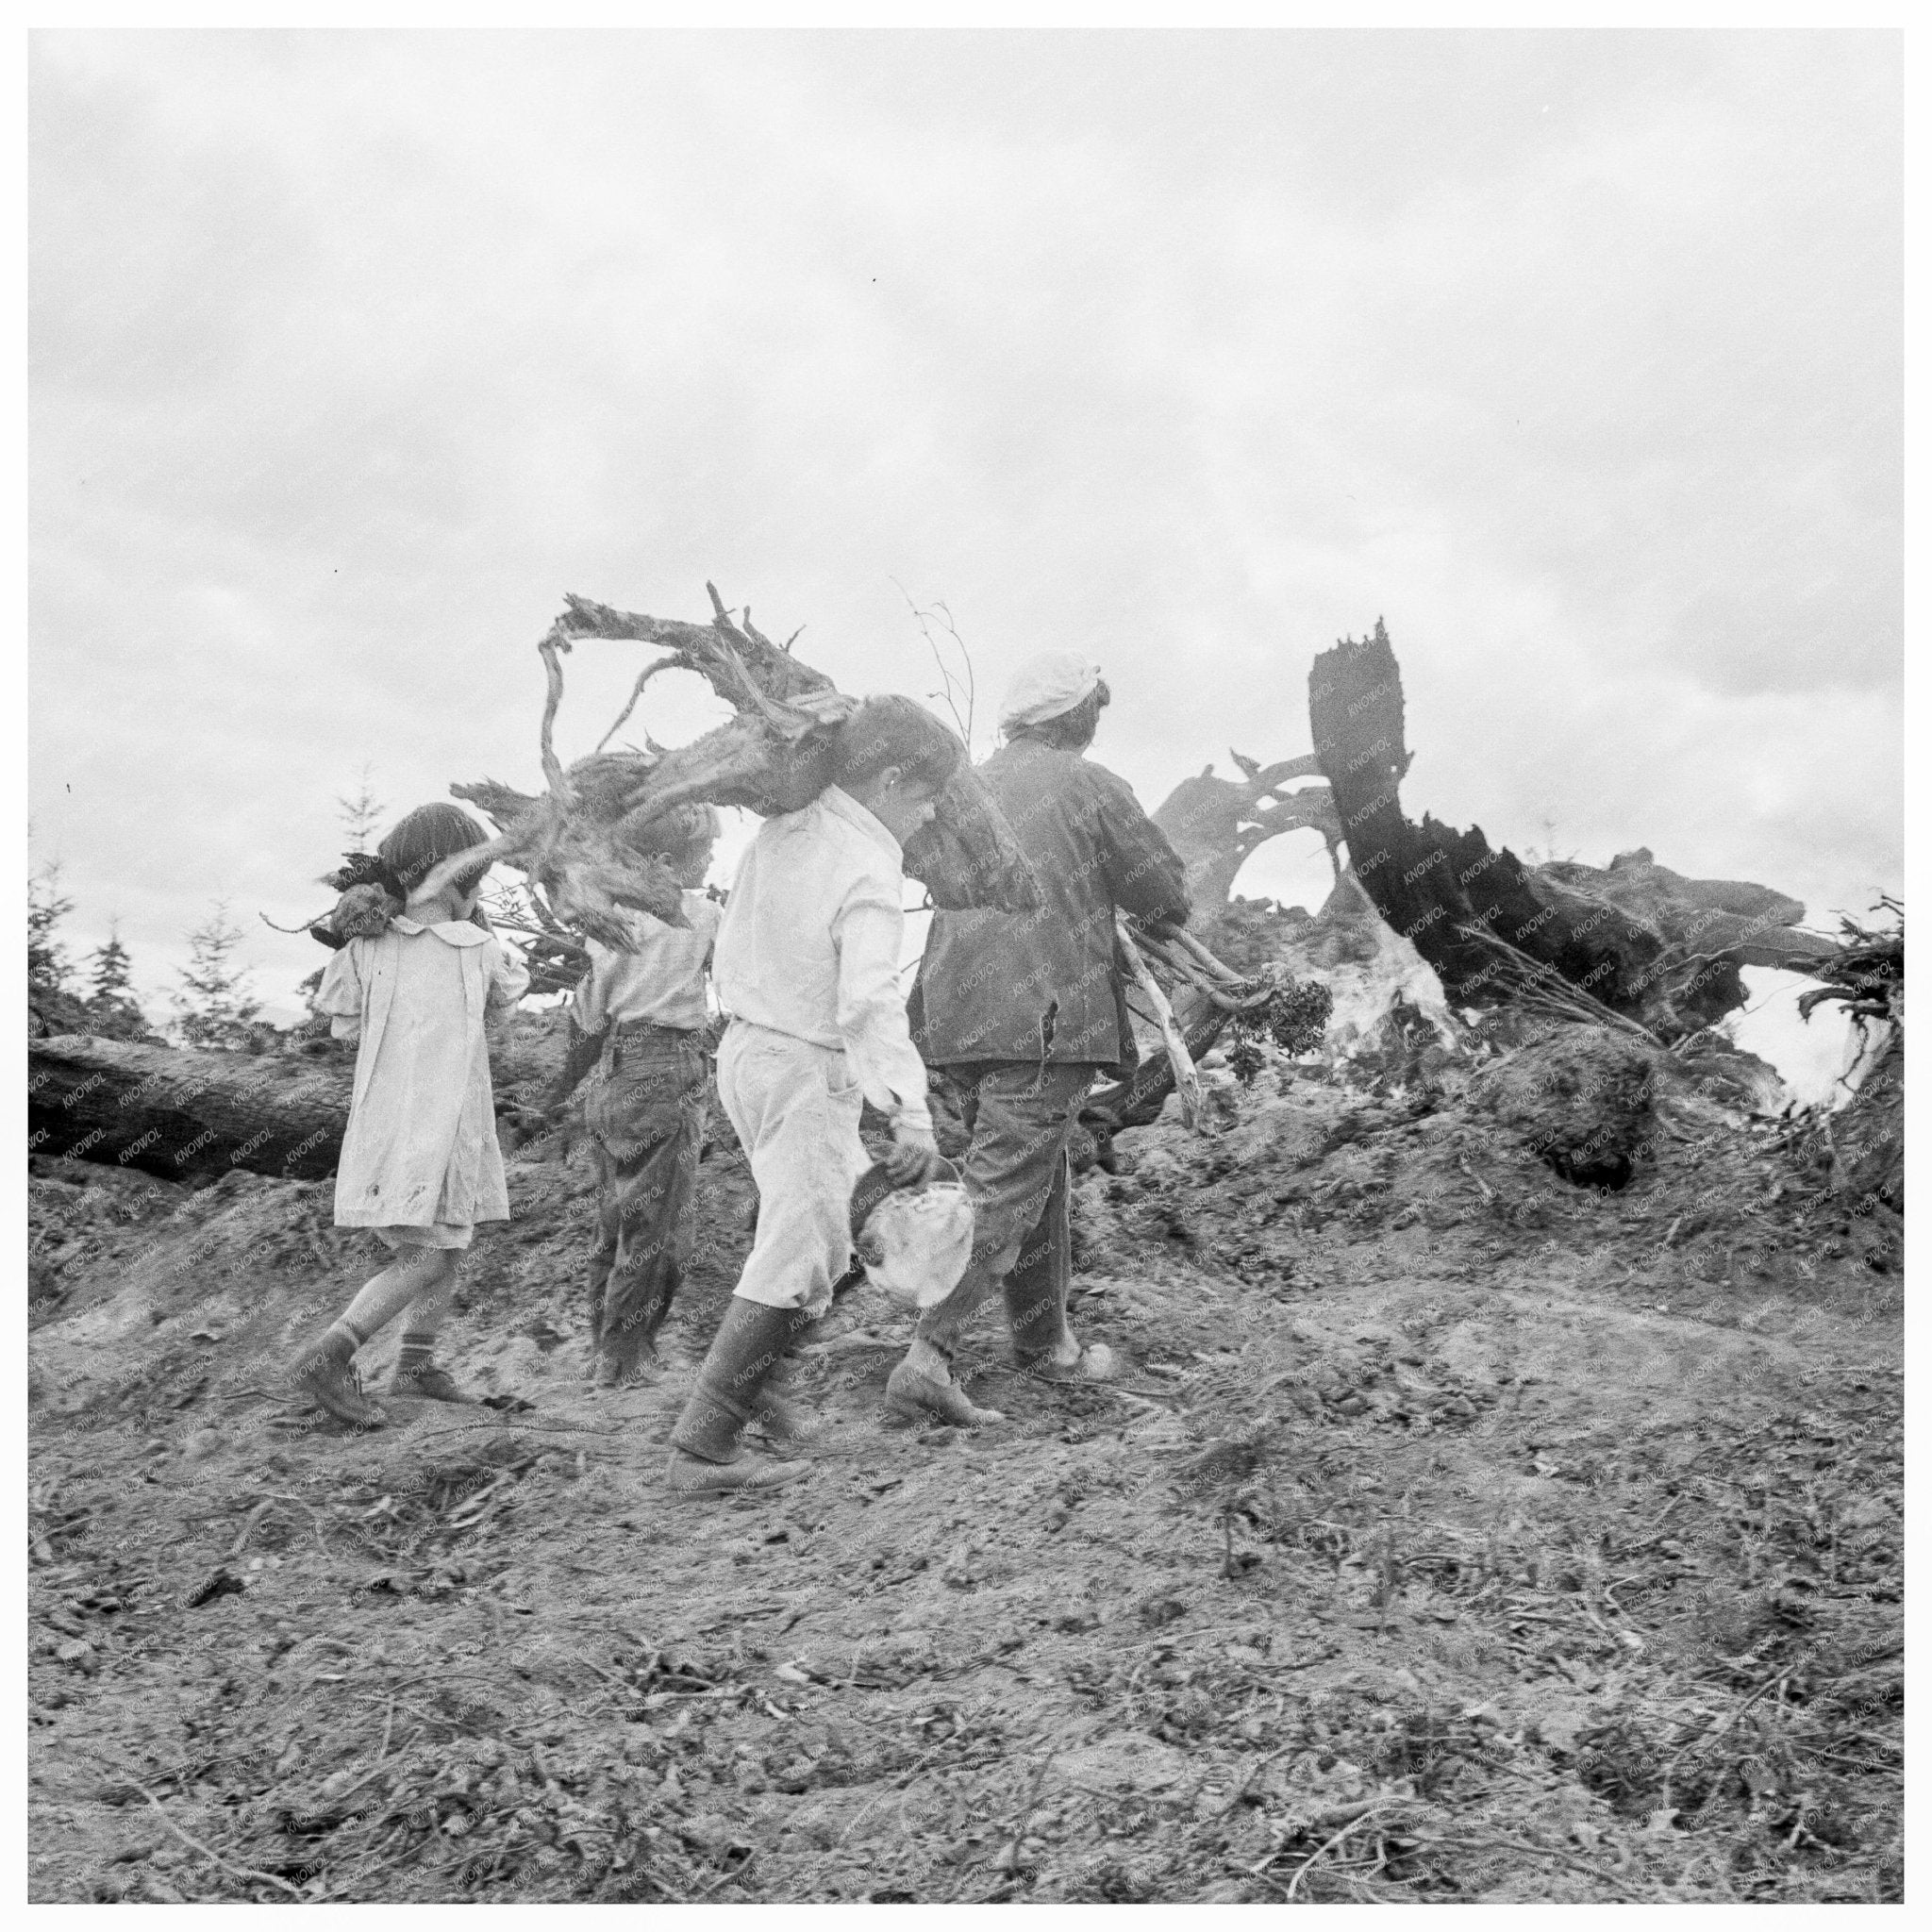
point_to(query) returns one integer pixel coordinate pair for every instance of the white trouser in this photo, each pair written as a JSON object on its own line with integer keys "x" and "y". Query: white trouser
{"x": 796, "y": 1109}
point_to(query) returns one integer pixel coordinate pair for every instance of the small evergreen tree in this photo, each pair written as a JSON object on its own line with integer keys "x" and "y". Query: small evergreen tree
{"x": 53, "y": 1001}
{"x": 48, "y": 969}
{"x": 113, "y": 1009}
{"x": 215, "y": 1005}
{"x": 112, "y": 968}
{"x": 360, "y": 811}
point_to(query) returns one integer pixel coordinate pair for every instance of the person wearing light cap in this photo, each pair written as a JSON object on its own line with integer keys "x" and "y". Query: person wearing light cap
{"x": 1022, "y": 1011}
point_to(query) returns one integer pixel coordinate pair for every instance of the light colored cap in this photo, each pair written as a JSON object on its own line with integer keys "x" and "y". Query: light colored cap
{"x": 1046, "y": 687}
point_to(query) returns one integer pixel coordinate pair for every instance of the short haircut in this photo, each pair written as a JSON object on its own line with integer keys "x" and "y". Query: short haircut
{"x": 896, "y": 731}
{"x": 422, "y": 840}
{"x": 680, "y": 833}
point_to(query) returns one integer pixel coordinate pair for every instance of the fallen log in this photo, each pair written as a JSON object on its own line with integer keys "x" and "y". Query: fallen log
{"x": 1749, "y": 925}
{"x": 184, "y": 1115}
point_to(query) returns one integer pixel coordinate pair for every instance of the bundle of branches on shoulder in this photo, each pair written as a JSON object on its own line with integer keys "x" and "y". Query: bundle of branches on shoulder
{"x": 372, "y": 895}
{"x": 589, "y": 845}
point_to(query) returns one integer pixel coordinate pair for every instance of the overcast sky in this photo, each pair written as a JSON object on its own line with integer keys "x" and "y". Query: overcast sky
{"x": 1575, "y": 357}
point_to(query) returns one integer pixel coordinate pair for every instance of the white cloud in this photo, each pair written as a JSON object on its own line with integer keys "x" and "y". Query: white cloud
{"x": 1576, "y": 357}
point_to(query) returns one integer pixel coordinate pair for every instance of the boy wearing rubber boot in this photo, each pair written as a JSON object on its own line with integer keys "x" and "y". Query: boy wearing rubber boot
{"x": 807, "y": 964}
{"x": 1022, "y": 1011}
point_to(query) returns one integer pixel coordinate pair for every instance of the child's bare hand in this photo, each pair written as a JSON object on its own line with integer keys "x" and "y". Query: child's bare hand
{"x": 915, "y": 1156}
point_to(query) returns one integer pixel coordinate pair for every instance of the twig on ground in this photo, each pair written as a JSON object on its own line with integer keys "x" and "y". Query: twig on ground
{"x": 1537, "y": 984}
{"x": 255, "y": 1516}
{"x": 1032, "y": 1805}
{"x": 1517, "y": 1844}
{"x": 1684, "y": 1749}
{"x": 196, "y": 1844}
{"x": 1347, "y": 1825}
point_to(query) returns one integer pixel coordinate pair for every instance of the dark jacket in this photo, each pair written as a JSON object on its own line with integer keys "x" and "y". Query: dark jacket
{"x": 1046, "y": 984}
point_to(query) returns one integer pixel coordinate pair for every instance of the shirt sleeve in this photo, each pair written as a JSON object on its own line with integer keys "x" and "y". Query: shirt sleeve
{"x": 707, "y": 922}
{"x": 1143, "y": 870}
{"x": 340, "y": 994}
{"x": 587, "y": 1002}
{"x": 509, "y": 980}
{"x": 868, "y": 931}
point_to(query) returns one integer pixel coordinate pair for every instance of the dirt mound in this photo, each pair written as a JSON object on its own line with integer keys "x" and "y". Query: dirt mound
{"x": 79, "y": 1215}
{"x": 1453, "y": 1532}
{"x": 1577, "y": 1099}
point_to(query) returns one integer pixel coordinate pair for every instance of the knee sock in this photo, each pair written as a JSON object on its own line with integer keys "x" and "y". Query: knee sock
{"x": 426, "y": 1319}
{"x": 381, "y": 1300}
{"x": 416, "y": 1352}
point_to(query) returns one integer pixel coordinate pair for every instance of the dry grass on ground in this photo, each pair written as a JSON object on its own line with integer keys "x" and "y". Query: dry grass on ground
{"x": 1456, "y": 1533}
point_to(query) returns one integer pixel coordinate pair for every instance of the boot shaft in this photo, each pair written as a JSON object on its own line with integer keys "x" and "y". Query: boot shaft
{"x": 745, "y": 1355}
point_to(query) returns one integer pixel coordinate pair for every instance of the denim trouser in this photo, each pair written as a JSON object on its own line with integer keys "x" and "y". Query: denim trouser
{"x": 1018, "y": 1115}
{"x": 646, "y": 1119}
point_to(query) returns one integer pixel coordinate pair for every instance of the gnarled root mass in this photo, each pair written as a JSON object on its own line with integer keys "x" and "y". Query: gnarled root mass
{"x": 587, "y": 843}
{"x": 1217, "y": 824}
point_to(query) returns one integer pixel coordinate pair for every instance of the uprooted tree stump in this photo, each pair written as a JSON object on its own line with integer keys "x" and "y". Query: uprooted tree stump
{"x": 1633, "y": 943}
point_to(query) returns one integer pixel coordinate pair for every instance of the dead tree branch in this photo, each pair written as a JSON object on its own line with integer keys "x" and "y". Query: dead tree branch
{"x": 586, "y": 843}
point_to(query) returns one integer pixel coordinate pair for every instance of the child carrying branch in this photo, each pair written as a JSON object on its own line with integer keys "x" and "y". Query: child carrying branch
{"x": 414, "y": 976}
{"x": 640, "y": 1018}
{"x": 807, "y": 967}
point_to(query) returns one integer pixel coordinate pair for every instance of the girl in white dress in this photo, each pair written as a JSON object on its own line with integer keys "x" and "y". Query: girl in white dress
{"x": 414, "y": 976}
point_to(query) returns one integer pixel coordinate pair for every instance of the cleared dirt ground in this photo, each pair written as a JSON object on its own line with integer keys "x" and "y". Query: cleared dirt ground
{"x": 1456, "y": 1533}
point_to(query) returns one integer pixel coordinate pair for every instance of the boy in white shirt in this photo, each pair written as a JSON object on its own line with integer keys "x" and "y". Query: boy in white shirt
{"x": 808, "y": 965}
{"x": 640, "y": 1019}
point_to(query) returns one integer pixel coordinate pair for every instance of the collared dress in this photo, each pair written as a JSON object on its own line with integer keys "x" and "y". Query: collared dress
{"x": 419, "y": 1162}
